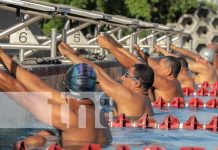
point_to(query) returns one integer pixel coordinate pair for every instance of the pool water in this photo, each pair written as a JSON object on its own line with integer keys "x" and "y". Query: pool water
{"x": 137, "y": 138}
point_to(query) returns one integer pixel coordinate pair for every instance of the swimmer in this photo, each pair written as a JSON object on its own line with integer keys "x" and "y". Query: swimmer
{"x": 77, "y": 76}
{"x": 165, "y": 83}
{"x": 184, "y": 77}
{"x": 201, "y": 65}
{"x": 131, "y": 96}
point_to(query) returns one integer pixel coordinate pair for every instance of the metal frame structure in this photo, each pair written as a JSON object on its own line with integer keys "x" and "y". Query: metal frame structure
{"x": 35, "y": 10}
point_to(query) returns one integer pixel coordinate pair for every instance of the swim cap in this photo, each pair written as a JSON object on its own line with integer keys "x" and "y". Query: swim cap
{"x": 81, "y": 78}
{"x": 207, "y": 54}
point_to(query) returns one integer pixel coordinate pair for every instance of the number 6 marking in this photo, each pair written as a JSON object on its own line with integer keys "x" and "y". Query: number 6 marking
{"x": 22, "y": 37}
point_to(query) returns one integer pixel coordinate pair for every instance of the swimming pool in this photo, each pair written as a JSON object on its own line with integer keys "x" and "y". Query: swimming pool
{"x": 137, "y": 138}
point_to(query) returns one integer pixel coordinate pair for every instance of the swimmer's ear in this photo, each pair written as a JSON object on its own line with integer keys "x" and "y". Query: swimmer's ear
{"x": 168, "y": 71}
{"x": 181, "y": 69}
{"x": 137, "y": 84}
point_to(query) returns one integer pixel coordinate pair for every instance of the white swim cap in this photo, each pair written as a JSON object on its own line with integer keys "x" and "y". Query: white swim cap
{"x": 207, "y": 54}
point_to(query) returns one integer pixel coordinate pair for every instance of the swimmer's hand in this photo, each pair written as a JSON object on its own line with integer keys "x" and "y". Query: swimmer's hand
{"x": 136, "y": 47}
{"x": 65, "y": 49}
{"x": 157, "y": 48}
{"x": 104, "y": 42}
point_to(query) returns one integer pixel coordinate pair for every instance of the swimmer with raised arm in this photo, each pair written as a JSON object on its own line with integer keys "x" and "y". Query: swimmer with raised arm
{"x": 165, "y": 83}
{"x": 131, "y": 96}
{"x": 201, "y": 65}
{"x": 80, "y": 78}
{"x": 184, "y": 77}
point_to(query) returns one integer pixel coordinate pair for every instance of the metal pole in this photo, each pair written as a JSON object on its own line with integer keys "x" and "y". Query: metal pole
{"x": 128, "y": 36}
{"x": 131, "y": 41}
{"x": 108, "y": 32}
{"x": 69, "y": 32}
{"x": 181, "y": 41}
{"x": 153, "y": 41}
{"x": 53, "y": 43}
{"x": 21, "y": 55}
{"x": 168, "y": 43}
{"x": 19, "y": 26}
{"x": 18, "y": 46}
{"x": 64, "y": 37}
{"x": 120, "y": 34}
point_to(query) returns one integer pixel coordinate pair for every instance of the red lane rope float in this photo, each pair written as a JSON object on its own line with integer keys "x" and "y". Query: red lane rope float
{"x": 192, "y": 124}
{"x": 213, "y": 124}
{"x": 188, "y": 91}
{"x": 126, "y": 147}
{"x": 179, "y": 102}
{"x": 203, "y": 90}
{"x": 169, "y": 122}
{"x": 22, "y": 146}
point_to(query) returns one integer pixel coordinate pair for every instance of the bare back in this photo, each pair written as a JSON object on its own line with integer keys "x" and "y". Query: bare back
{"x": 208, "y": 74}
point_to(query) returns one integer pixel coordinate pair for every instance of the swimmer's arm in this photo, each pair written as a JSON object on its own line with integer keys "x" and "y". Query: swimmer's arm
{"x": 140, "y": 53}
{"x": 184, "y": 52}
{"x": 163, "y": 51}
{"x": 121, "y": 54}
{"x": 108, "y": 85}
{"x": 118, "y": 92}
{"x": 37, "y": 104}
{"x": 31, "y": 82}
{"x": 150, "y": 61}
{"x": 196, "y": 67}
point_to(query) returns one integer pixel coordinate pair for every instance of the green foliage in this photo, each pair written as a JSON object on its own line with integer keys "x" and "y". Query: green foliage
{"x": 212, "y": 6}
{"x": 169, "y": 11}
{"x": 139, "y": 9}
{"x": 57, "y": 23}
{"x": 159, "y": 11}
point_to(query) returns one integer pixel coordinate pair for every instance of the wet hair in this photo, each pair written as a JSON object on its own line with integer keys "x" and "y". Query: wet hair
{"x": 144, "y": 74}
{"x": 174, "y": 64}
{"x": 183, "y": 62}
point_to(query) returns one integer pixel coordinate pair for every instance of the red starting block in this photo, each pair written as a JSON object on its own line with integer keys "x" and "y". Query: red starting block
{"x": 154, "y": 148}
{"x": 213, "y": 125}
{"x": 192, "y": 124}
{"x": 91, "y": 147}
{"x": 212, "y": 103}
{"x": 160, "y": 103}
{"x": 192, "y": 148}
{"x": 178, "y": 102}
{"x": 202, "y": 92}
{"x": 54, "y": 146}
{"x": 188, "y": 91}
{"x": 170, "y": 122}
{"x": 196, "y": 102}
{"x": 146, "y": 122}
{"x": 122, "y": 147}
{"x": 121, "y": 121}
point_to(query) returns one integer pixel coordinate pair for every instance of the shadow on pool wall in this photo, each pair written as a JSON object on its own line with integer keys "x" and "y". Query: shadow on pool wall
{"x": 54, "y": 75}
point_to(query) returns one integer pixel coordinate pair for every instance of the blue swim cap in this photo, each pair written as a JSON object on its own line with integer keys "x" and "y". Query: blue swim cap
{"x": 81, "y": 78}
